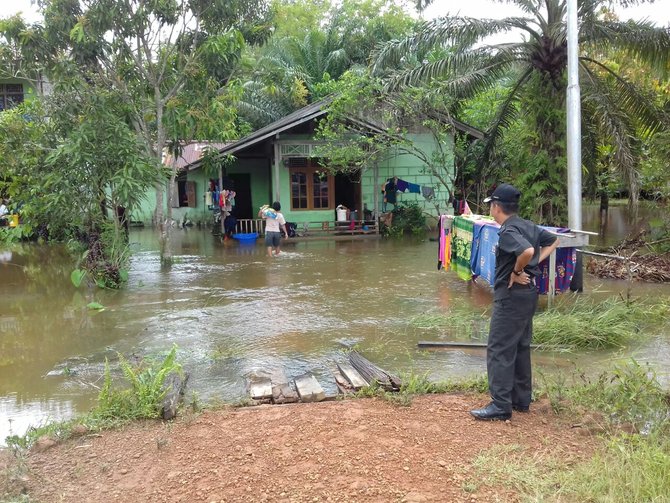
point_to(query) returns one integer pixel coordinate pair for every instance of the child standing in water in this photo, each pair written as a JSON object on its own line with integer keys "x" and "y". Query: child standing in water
{"x": 274, "y": 225}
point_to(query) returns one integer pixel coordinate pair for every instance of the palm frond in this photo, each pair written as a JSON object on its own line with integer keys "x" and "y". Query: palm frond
{"x": 612, "y": 123}
{"x": 630, "y": 99}
{"x": 639, "y": 39}
{"x": 457, "y": 31}
{"x": 505, "y": 116}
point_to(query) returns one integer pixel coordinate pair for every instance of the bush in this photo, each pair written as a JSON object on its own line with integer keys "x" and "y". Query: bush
{"x": 408, "y": 218}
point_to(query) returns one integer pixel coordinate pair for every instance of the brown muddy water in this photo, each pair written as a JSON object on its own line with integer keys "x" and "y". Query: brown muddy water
{"x": 235, "y": 313}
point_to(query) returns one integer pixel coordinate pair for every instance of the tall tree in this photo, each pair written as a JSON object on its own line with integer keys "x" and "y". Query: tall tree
{"x": 164, "y": 59}
{"x": 534, "y": 71}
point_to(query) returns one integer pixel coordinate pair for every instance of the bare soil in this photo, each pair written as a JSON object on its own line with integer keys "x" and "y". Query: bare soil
{"x": 365, "y": 450}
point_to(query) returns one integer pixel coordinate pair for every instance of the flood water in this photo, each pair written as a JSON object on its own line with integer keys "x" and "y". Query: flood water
{"x": 235, "y": 313}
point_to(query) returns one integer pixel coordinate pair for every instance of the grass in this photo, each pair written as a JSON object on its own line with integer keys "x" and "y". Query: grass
{"x": 418, "y": 384}
{"x": 139, "y": 398}
{"x": 572, "y": 323}
{"x": 587, "y": 324}
{"x": 630, "y": 467}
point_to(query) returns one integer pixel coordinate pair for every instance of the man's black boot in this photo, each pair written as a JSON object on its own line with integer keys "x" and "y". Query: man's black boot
{"x": 491, "y": 413}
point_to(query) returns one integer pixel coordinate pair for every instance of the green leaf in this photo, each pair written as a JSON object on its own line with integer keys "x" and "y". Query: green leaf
{"x": 77, "y": 276}
{"x": 95, "y": 306}
{"x": 123, "y": 274}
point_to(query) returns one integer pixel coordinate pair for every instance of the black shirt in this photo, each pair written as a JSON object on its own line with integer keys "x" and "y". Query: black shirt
{"x": 515, "y": 236}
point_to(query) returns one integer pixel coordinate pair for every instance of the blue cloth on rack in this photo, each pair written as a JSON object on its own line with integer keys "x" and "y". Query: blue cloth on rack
{"x": 483, "y": 258}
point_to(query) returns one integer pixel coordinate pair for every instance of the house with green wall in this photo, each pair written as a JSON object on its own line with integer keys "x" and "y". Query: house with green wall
{"x": 15, "y": 91}
{"x": 279, "y": 162}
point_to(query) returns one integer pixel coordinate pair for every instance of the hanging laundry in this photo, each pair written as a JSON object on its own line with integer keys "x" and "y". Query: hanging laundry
{"x": 428, "y": 192}
{"x": 466, "y": 208}
{"x": 401, "y": 185}
{"x": 414, "y": 188}
{"x": 444, "y": 248}
{"x": 389, "y": 191}
{"x": 208, "y": 198}
{"x": 482, "y": 248}
{"x": 483, "y": 258}
{"x": 462, "y": 230}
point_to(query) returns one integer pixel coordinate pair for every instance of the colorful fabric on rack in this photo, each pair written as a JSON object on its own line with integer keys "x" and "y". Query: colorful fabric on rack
{"x": 462, "y": 231}
{"x": 444, "y": 247}
{"x": 470, "y": 248}
{"x": 484, "y": 243}
{"x": 566, "y": 258}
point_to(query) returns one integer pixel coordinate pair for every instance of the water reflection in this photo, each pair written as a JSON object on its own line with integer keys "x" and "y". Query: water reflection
{"x": 618, "y": 224}
{"x": 236, "y": 313}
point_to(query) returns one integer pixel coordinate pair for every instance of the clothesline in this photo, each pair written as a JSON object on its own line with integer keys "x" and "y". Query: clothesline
{"x": 467, "y": 245}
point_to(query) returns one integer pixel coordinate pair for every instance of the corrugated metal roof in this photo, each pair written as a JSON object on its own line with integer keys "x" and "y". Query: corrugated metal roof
{"x": 192, "y": 153}
{"x": 291, "y": 120}
{"x": 298, "y": 117}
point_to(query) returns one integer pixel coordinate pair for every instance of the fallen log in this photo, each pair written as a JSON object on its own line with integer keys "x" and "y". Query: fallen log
{"x": 372, "y": 373}
{"x": 175, "y": 386}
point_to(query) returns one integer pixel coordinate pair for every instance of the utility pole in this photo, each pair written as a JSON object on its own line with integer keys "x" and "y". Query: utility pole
{"x": 574, "y": 122}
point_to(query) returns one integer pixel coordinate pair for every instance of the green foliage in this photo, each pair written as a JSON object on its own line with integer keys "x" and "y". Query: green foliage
{"x": 14, "y": 234}
{"x": 630, "y": 468}
{"x": 382, "y": 125}
{"x": 628, "y": 394}
{"x": 614, "y": 110}
{"x": 142, "y": 398}
{"x": 139, "y": 398}
{"x": 314, "y": 44}
{"x": 408, "y": 218}
{"x": 626, "y": 467}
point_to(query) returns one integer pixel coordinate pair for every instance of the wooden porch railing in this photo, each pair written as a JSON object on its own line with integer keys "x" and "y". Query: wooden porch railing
{"x": 313, "y": 229}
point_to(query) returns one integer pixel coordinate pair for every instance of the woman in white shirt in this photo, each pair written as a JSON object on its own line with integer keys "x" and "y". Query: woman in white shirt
{"x": 4, "y": 211}
{"x": 274, "y": 221}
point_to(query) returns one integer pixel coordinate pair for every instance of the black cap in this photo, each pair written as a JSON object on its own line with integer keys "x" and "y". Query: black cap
{"x": 505, "y": 193}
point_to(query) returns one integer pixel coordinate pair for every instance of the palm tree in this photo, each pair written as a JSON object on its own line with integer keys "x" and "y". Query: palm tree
{"x": 533, "y": 70}
{"x": 291, "y": 73}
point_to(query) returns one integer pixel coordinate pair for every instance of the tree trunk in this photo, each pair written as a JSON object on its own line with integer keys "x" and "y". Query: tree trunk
{"x": 634, "y": 196}
{"x": 166, "y": 235}
{"x": 604, "y": 206}
{"x": 165, "y": 224}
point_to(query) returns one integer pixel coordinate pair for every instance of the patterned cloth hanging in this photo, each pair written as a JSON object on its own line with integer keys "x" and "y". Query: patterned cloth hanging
{"x": 462, "y": 230}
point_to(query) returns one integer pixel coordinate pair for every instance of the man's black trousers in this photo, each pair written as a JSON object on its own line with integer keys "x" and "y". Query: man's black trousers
{"x": 508, "y": 349}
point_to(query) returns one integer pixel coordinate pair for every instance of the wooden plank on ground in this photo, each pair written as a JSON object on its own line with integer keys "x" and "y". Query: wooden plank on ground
{"x": 444, "y": 344}
{"x": 372, "y": 373}
{"x": 352, "y": 375}
{"x": 260, "y": 389}
{"x": 174, "y": 386}
{"x": 343, "y": 386}
{"x": 309, "y": 389}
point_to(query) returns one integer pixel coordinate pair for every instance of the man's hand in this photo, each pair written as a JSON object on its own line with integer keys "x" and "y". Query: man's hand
{"x": 520, "y": 279}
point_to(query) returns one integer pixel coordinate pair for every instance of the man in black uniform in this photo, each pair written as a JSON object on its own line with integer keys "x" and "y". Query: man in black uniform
{"x": 521, "y": 247}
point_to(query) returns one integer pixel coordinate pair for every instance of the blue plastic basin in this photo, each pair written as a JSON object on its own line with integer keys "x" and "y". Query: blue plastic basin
{"x": 246, "y": 238}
